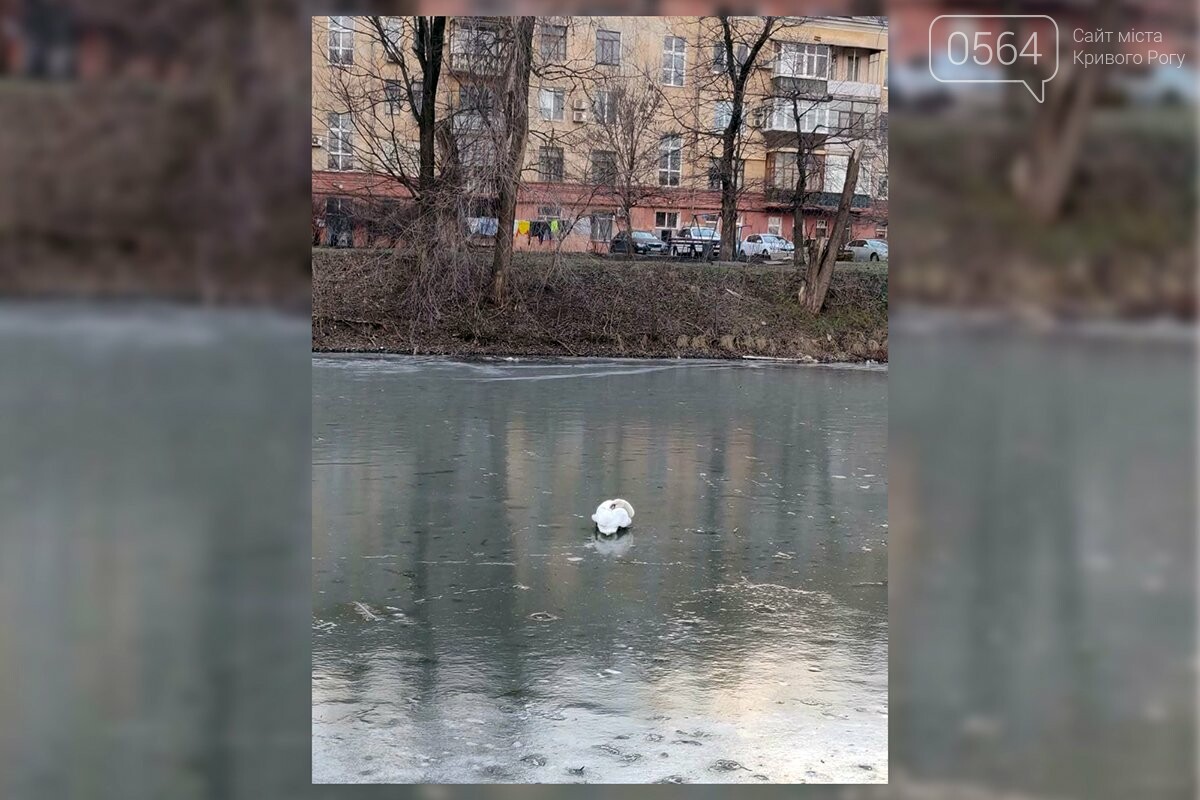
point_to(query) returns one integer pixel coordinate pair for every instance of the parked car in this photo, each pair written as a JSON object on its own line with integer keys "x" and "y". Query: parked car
{"x": 691, "y": 242}
{"x": 644, "y": 243}
{"x": 765, "y": 247}
{"x": 866, "y": 250}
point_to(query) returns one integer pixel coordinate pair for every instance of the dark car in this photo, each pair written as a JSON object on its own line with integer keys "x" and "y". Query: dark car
{"x": 644, "y": 243}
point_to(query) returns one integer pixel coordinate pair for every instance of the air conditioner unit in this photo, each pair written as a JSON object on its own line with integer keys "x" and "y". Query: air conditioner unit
{"x": 580, "y": 105}
{"x": 579, "y": 115}
{"x": 317, "y": 141}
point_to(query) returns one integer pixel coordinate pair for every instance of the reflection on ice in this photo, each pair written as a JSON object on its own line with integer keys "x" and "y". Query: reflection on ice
{"x": 534, "y": 646}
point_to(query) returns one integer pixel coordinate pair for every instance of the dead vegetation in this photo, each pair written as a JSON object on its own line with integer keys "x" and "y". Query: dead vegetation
{"x": 583, "y": 305}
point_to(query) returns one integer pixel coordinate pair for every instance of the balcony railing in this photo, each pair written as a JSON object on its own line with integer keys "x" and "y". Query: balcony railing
{"x": 855, "y": 89}
{"x": 776, "y": 195}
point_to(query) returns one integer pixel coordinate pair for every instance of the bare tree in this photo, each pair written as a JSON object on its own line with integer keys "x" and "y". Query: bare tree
{"x": 819, "y": 125}
{"x": 740, "y": 41}
{"x": 380, "y": 94}
{"x": 627, "y": 137}
{"x": 1043, "y": 170}
{"x": 820, "y": 271}
{"x": 511, "y": 149}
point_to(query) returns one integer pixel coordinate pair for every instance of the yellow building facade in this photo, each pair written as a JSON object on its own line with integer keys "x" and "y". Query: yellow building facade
{"x": 820, "y": 81}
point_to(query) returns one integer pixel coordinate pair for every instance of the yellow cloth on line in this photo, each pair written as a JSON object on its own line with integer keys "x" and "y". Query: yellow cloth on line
{"x": 522, "y": 226}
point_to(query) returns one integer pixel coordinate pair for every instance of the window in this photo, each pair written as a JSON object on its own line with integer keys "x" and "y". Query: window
{"x": 476, "y": 156}
{"x": 341, "y": 141}
{"x": 674, "y": 60}
{"x": 393, "y": 33}
{"x": 814, "y": 117}
{"x": 781, "y": 170}
{"x": 341, "y": 40}
{"x": 852, "y": 65}
{"x": 602, "y": 227}
{"x": 852, "y": 122}
{"x": 418, "y": 94}
{"x": 722, "y": 114}
{"x": 804, "y": 60}
{"x": 608, "y": 47}
{"x": 604, "y": 106}
{"x": 553, "y": 43}
{"x": 550, "y": 164}
{"x": 475, "y": 46}
{"x": 775, "y": 225}
{"x": 741, "y": 55}
{"x": 881, "y": 232}
{"x": 393, "y": 95}
{"x": 714, "y": 174}
{"x": 400, "y": 158}
{"x": 666, "y": 219}
{"x": 475, "y": 100}
{"x": 821, "y": 229}
{"x": 547, "y": 213}
{"x": 670, "y": 160}
{"x": 882, "y": 193}
{"x": 604, "y": 167}
{"x": 551, "y": 103}
{"x": 339, "y": 222}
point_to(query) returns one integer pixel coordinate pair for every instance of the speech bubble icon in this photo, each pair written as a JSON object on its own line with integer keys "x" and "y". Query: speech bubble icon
{"x": 983, "y": 48}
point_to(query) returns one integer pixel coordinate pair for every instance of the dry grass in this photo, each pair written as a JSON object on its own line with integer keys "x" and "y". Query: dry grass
{"x": 582, "y": 305}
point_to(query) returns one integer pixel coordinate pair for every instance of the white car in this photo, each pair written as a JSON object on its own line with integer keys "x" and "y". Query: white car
{"x": 766, "y": 247}
{"x": 692, "y": 242}
{"x": 868, "y": 250}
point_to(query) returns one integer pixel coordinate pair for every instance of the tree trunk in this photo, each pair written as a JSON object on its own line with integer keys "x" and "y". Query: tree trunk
{"x": 729, "y": 190}
{"x": 820, "y": 272}
{"x": 512, "y": 156}
{"x": 798, "y": 255}
{"x": 506, "y": 217}
{"x": 628, "y": 210}
{"x": 1042, "y": 173}
{"x": 799, "y": 260}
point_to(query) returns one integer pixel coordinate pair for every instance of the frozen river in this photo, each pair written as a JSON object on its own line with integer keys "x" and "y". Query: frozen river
{"x": 469, "y": 627}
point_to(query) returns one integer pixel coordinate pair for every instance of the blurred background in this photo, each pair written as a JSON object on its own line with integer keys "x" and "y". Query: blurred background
{"x": 154, "y": 406}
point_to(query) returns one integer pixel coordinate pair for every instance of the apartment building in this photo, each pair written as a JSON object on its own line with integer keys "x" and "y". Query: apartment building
{"x": 818, "y": 88}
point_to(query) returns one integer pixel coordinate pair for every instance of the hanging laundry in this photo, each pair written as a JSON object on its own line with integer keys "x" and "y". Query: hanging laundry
{"x": 482, "y": 226}
{"x": 554, "y": 227}
{"x": 522, "y": 226}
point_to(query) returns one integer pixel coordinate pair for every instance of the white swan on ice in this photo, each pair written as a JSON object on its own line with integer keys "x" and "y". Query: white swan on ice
{"x": 612, "y": 515}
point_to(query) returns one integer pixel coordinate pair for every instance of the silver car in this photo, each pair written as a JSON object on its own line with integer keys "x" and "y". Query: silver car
{"x": 868, "y": 250}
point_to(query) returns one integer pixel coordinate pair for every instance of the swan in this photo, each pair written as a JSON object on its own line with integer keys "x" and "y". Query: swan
{"x": 612, "y": 515}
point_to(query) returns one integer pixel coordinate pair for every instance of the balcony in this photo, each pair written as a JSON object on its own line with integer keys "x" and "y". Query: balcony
{"x": 799, "y": 85}
{"x": 465, "y": 121}
{"x": 780, "y": 117}
{"x": 855, "y": 90}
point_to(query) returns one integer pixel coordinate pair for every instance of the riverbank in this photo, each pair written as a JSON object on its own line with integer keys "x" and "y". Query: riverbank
{"x": 1123, "y": 249}
{"x": 584, "y": 305}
